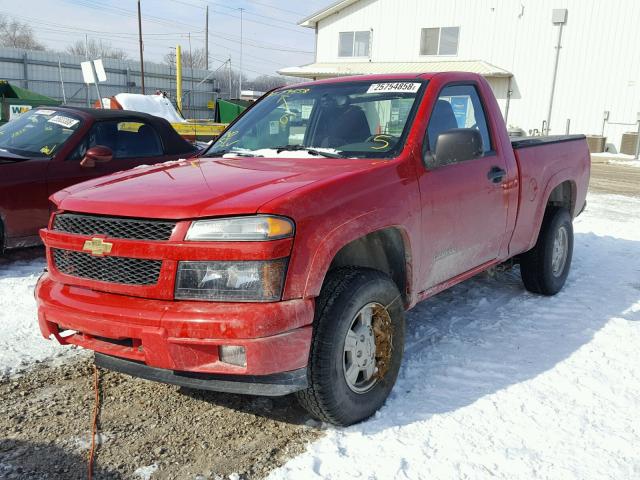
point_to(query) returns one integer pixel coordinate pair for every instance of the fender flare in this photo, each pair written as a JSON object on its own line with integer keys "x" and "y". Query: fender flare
{"x": 564, "y": 175}
{"x": 342, "y": 235}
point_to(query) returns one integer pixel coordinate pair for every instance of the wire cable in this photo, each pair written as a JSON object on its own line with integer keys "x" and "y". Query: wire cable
{"x": 94, "y": 422}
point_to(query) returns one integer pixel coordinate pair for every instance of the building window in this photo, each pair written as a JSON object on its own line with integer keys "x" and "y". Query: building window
{"x": 354, "y": 44}
{"x": 439, "y": 41}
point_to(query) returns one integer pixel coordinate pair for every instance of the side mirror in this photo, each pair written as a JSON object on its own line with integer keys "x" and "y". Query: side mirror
{"x": 457, "y": 145}
{"x": 97, "y": 154}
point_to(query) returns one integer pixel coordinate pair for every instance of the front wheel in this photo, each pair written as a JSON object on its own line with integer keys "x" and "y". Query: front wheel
{"x": 545, "y": 267}
{"x": 357, "y": 346}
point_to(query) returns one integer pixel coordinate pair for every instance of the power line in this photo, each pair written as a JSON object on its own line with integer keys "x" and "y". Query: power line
{"x": 247, "y": 12}
{"x": 149, "y": 18}
{"x": 277, "y": 8}
{"x": 65, "y": 30}
{"x": 247, "y": 69}
{"x": 230, "y": 38}
{"x": 128, "y": 13}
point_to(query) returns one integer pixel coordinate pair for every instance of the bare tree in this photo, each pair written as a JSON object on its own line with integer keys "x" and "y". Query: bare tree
{"x": 263, "y": 83}
{"x": 195, "y": 59}
{"x": 16, "y": 34}
{"x": 96, "y": 49}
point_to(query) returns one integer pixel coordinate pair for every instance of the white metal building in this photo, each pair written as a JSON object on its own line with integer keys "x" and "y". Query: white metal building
{"x": 511, "y": 42}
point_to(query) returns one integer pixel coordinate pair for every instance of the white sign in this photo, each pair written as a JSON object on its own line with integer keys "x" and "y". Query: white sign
{"x": 16, "y": 110}
{"x": 395, "y": 87}
{"x": 87, "y": 72}
{"x": 100, "y": 73}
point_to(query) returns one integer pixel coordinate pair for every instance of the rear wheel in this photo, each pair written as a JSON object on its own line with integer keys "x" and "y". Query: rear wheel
{"x": 357, "y": 346}
{"x": 545, "y": 267}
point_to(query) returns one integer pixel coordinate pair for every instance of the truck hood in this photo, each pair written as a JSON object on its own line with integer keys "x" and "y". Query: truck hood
{"x": 201, "y": 187}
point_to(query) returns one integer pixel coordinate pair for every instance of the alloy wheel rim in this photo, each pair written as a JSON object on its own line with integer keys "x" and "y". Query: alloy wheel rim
{"x": 560, "y": 250}
{"x": 367, "y": 348}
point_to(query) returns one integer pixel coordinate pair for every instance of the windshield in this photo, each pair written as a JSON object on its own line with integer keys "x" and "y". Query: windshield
{"x": 38, "y": 133}
{"x": 355, "y": 119}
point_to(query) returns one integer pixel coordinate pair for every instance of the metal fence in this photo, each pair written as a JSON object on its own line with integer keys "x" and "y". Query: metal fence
{"x": 58, "y": 75}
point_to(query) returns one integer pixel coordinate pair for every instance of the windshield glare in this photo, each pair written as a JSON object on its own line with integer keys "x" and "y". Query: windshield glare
{"x": 355, "y": 119}
{"x": 38, "y": 133}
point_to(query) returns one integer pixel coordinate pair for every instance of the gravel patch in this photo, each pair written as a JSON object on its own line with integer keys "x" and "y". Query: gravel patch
{"x": 147, "y": 430}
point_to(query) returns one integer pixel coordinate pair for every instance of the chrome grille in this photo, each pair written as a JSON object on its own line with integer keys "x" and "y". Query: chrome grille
{"x": 114, "y": 227}
{"x": 130, "y": 271}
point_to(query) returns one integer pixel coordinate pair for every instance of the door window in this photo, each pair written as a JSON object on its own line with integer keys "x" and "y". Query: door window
{"x": 458, "y": 106}
{"x": 125, "y": 139}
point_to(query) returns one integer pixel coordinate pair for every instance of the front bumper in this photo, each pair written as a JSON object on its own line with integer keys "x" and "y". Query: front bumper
{"x": 274, "y": 385}
{"x": 178, "y": 336}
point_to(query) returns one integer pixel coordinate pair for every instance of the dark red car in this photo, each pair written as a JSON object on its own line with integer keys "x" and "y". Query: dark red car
{"x": 47, "y": 149}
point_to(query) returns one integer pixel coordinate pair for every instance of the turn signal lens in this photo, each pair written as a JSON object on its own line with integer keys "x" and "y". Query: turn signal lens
{"x": 244, "y": 229}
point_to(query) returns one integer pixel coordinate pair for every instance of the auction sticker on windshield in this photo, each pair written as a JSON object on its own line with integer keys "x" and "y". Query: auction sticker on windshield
{"x": 395, "y": 87}
{"x": 67, "y": 122}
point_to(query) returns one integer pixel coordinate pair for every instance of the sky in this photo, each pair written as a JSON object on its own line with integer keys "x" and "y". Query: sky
{"x": 271, "y": 37}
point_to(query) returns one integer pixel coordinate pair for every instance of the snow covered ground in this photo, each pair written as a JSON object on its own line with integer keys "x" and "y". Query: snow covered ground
{"x": 496, "y": 382}
{"x": 500, "y": 383}
{"x": 21, "y": 343}
{"x": 616, "y": 159}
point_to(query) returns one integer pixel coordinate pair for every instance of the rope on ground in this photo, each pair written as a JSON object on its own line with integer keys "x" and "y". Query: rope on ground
{"x": 94, "y": 421}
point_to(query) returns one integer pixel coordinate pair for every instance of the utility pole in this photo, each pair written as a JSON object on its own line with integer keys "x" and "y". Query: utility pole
{"x": 179, "y": 78}
{"x": 140, "y": 41}
{"x": 559, "y": 18}
{"x": 206, "y": 38}
{"x": 241, "y": 41}
{"x": 86, "y": 57}
{"x": 229, "y": 71}
{"x": 64, "y": 95}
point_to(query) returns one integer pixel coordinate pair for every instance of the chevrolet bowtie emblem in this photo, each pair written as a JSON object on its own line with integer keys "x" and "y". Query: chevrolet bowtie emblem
{"x": 97, "y": 247}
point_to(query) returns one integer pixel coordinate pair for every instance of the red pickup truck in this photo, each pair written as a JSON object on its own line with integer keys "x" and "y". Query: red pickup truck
{"x": 283, "y": 259}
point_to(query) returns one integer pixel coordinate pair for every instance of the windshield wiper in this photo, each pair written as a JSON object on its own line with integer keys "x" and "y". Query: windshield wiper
{"x": 240, "y": 153}
{"x": 311, "y": 150}
{"x": 7, "y": 155}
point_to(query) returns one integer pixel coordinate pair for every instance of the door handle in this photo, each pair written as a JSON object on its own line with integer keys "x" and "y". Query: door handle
{"x": 496, "y": 174}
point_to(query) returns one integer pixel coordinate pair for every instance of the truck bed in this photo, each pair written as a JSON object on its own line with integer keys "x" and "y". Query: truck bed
{"x": 543, "y": 163}
{"x": 524, "y": 142}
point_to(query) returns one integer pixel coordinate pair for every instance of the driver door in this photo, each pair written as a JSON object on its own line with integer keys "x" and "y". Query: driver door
{"x": 464, "y": 205}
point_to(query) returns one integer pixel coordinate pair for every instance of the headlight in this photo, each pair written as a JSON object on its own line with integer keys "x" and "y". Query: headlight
{"x": 256, "y": 228}
{"x": 241, "y": 281}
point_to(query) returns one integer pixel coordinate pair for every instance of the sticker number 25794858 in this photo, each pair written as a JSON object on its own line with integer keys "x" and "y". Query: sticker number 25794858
{"x": 395, "y": 87}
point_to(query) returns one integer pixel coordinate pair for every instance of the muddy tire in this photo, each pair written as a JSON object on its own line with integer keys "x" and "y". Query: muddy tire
{"x": 545, "y": 267}
{"x": 357, "y": 346}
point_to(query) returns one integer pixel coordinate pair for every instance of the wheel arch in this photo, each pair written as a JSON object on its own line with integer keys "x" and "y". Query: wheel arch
{"x": 563, "y": 195}
{"x": 385, "y": 249}
{"x": 561, "y": 191}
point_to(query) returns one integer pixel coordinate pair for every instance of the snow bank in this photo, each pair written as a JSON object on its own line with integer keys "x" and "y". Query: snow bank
{"x": 500, "y": 383}
{"x": 21, "y": 343}
{"x": 617, "y": 159}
